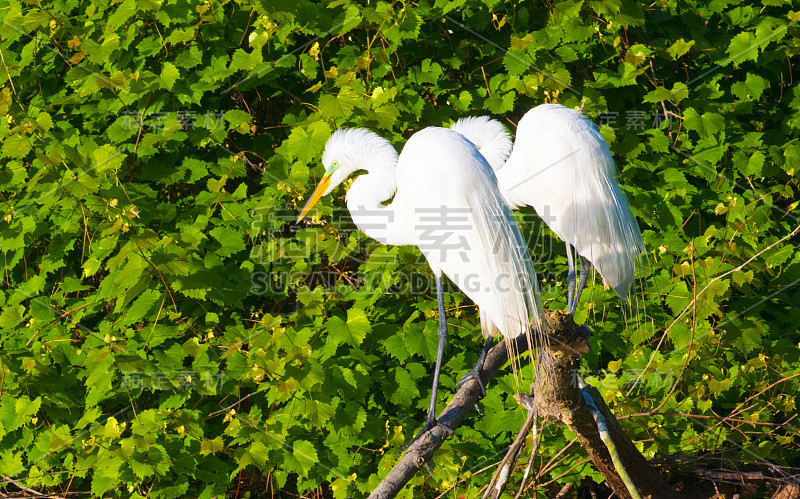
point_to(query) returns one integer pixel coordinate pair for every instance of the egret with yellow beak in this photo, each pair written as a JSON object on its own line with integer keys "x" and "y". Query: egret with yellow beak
{"x": 447, "y": 203}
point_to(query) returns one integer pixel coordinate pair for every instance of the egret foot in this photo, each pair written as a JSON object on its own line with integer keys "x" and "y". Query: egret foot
{"x": 474, "y": 374}
{"x": 477, "y": 368}
{"x": 429, "y": 425}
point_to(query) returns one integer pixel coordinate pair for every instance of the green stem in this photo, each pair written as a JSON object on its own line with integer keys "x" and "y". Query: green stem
{"x": 606, "y": 438}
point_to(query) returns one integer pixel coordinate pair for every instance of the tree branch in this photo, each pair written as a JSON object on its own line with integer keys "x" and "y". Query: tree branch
{"x": 464, "y": 400}
{"x": 557, "y": 398}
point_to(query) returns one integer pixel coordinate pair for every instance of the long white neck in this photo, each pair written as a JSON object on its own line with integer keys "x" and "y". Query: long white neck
{"x": 365, "y": 201}
{"x": 513, "y": 188}
{"x": 365, "y": 198}
{"x": 358, "y": 149}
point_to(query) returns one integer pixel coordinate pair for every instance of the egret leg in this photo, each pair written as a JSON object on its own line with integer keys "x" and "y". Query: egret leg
{"x": 570, "y": 280}
{"x": 439, "y": 353}
{"x": 475, "y": 373}
{"x": 586, "y": 266}
{"x": 431, "y": 420}
{"x": 476, "y": 369}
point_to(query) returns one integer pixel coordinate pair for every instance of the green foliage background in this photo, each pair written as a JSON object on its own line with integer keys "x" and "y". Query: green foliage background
{"x": 155, "y": 154}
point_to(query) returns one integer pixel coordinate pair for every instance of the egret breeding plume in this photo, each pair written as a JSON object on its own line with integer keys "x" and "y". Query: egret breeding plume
{"x": 562, "y": 167}
{"x": 446, "y": 202}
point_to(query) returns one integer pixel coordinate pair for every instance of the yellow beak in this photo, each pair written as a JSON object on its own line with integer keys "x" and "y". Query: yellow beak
{"x": 321, "y": 188}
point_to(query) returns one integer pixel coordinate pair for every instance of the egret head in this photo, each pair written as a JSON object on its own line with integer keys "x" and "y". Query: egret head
{"x": 347, "y": 151}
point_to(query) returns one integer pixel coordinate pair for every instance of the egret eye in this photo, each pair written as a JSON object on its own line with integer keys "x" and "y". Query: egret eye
{"x": 332, "y": 167}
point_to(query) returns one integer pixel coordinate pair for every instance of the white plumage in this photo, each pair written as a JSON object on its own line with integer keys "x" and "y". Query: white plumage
{"x": 481, "y": 250}
{"x": 561, "y": 165}
{"x": 446, "y": 202}
{"x": 489, "y": 136}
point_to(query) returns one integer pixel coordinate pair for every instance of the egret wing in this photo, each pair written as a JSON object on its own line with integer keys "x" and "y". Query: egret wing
{"x": 561, "y": 165}
{"x": 465, "y": 230}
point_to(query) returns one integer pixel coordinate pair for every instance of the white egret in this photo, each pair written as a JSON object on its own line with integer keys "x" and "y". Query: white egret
{"x": 447, "y": 203}
{"x": 561, "y": 165}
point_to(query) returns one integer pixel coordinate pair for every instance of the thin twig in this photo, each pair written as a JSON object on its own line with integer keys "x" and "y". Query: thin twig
{"x": 226, "y": 409}
{"x": 537, "y": 437}
{"x": 21, "y": 487}
{"x": 500, "y": 477}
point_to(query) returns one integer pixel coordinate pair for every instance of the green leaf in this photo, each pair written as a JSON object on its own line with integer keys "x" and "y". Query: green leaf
{"x": 500, "y": 103}
{"x": 428, "y": 72}
{"x": 405, "y": 390}
{"x": 98, "y": 382}
{"x": 11, "y": 316}
{"x": 194, "y": 348}
{"x": 306, "y": 142}
{"x": 678, "y": 93}
{"x": 14, "y": 414}
{"x": 422, "y": 339}
{"x": 705, "y": 125}
{"x": 169, "y": 75}
{"x": 751, "y": 88}
{"x": 566, "y": 54}
{"x": 754, "y": 164}
{"x": 708, "y": 302}
{"x": 679, "y": 48}
{"x": 26, "y": 408}
{"x": 142, "y": 305}
{"x": 122, "y": 13}
{"x": 239, "y": 120}
{"x": 516, "y": 62}
{"x": 243, "y": 60}
{"x": 461, "y": 102}
{"x": 336, "y": 106}
{"x": 107, "y": 157}
{"x": 258, "y": 39}
{"x": 101, "y": 484}
{"x": 743, "y": 277}
{"x": 353, "y": 331}
{"x": 396, "y": 347}
{"x": 60, "y": 438}
{"x": 305, "y": 456}
{"x": 230, "y": 240}
{"x": 742, "y": 48}
{"x": 178, "y": 36}
{"x": 16, "y": 146}
{"x": 81, "y": 184}
{"x": 318, "y": 412}
{"x": 211, "y": 446}
{"x": 44, "y": 121}
{"x": 11, "y": 463}
{"x": 748, "y": 339}
{"x": 256, "y": 454}
{"x": 152, "y": 461}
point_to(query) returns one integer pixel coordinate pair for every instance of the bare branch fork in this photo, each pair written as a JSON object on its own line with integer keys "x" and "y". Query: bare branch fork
{"x": 500, "y": 478}
{"x": 557, "y": 398}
